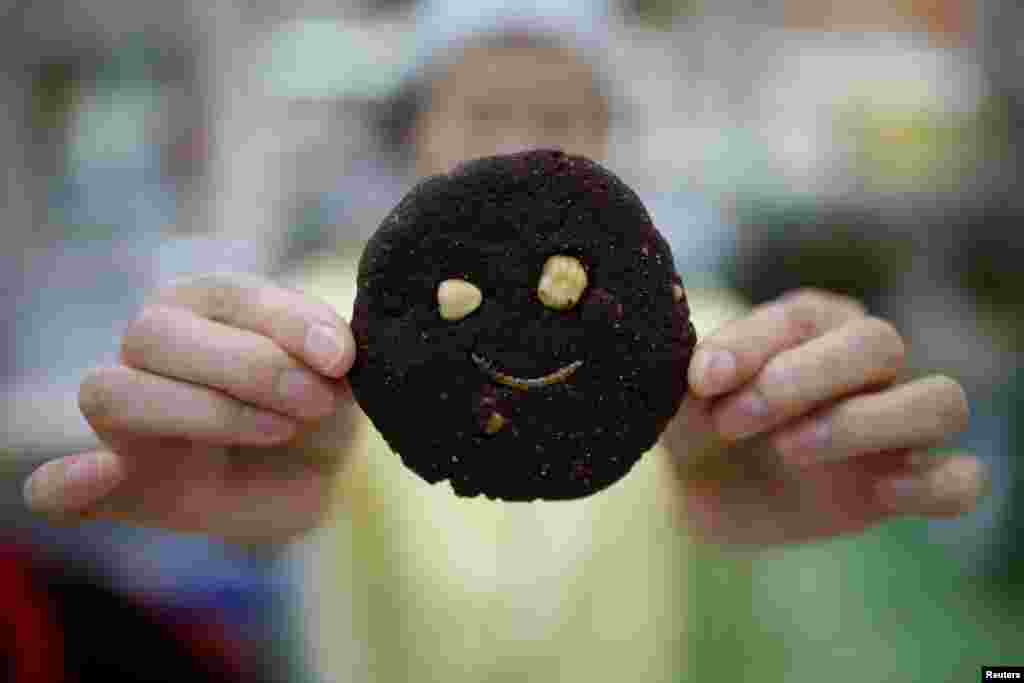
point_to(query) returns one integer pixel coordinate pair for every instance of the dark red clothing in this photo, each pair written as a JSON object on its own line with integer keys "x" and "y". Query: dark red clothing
{"x": 58, "y": 624}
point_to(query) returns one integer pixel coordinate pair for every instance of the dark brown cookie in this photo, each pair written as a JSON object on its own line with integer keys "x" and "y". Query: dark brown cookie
{"x": 521, "y": 329}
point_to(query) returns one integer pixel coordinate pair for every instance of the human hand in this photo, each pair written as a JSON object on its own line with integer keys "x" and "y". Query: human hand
{"x": 798, "y": 427}
{"x": 220, "y": 378}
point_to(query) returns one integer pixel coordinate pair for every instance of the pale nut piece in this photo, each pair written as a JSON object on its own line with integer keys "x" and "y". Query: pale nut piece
{"x": 677, "y": 292}
{"x": 561, "y": 282}
{"x": 494, "y": 423}
{"x": 457, "y": 298}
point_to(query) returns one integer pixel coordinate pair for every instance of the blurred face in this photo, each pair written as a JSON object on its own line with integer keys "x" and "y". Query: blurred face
{"x": 498, "y": 100}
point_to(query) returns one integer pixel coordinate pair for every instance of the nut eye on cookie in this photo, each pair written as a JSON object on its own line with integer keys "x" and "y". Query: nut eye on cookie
{"x": 561, "y": 282}
{"x": 457, "y": 298}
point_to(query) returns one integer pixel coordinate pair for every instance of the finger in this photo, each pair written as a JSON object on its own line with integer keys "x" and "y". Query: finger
{"x": 763, "y": 506}
{"x": 64, "y": 485}
{"x": 919, "y": 414}
{"x": 941, "y": 488}
{"x": 122, "y": 400}
{"x": 185, "y": 487}
{"x": 692, "y": 443}
{"x": 175, "y": 481}
{"x": 178, "y": 344}
{"x": 861, "y": 353}
{"x": 736, "y": 352}
{"x": 300, "y": 323}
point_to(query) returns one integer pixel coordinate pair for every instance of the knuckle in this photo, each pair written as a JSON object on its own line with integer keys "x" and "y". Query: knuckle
{"x": 801, "y": 319}
{"x": 956, "y": 409}
{"x": 809, "y": 297}
{"x": 777, "y": 384}
{"x": 882, "y": 328}
{"x": 216, "y": 296}
{"x": 142, "y": 334}
{"x": 222, "y": 296}
{"x": 274, "y": 371}
{"x": 95, "y": 397}
{"x": 815, "y": 308}
{"x": 958, "y": 486}
{"x": 855, "y": 307}
{"x": 891, "y": 343}
{"x": 264, "y": 371}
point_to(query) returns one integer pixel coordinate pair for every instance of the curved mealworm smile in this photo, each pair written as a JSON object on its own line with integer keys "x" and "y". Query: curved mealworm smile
{"x": 559, "y": 375}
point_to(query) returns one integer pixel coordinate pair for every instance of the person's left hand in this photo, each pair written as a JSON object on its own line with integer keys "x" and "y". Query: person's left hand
{"x": 798, "y": 426}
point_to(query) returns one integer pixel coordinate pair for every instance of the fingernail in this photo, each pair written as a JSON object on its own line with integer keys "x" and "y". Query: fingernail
{"x": 743, "y": 416}
{"x": 715, "y": 369}
{"x": 805, "y": 446}
{"x": 301, "y": 390}
{"x": 58, "y": 485}
{"x": 82, "y": 471}
{"x": 323, "y": 347}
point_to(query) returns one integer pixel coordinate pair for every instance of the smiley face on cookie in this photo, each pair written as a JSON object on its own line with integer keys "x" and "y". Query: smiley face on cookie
{"x": 521, "y": 329}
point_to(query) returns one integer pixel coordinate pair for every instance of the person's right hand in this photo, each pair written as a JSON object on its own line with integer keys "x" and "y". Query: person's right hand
{"x": 220, "y": 379}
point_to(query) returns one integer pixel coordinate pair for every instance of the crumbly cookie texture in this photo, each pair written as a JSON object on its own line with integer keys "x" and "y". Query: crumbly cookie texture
{"x": 521, "y": 329}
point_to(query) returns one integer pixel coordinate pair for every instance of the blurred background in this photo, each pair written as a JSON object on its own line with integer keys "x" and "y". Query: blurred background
{"x": 872, "y": 148}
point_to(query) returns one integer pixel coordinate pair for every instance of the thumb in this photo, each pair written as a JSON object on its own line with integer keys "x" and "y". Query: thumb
{"x": 691, "y": 437}
{"x": 68, "y": 486}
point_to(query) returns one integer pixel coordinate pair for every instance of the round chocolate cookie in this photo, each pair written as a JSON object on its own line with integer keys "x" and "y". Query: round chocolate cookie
{"x": 521, "y": 329}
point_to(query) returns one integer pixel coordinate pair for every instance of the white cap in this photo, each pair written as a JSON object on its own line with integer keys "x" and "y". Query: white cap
{"x": 444, "y": 25}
